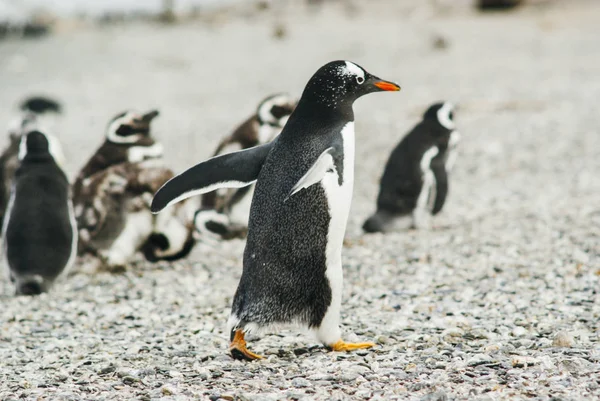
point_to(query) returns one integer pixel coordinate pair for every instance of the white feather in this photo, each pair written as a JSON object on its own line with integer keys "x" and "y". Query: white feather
{"x": 323, "y": 165}
{"x": 209, "y": 188}
{"x": 137, "y": 154}
{"x": 339, "y": 200}
{"x": 353, "y": 69}
{"x": 443, "y": 115}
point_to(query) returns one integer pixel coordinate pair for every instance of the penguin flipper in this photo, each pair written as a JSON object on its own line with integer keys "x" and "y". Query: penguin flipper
{"x": 232, "y": 170}
{"x": 440, "y": 190}
{"x": 325, "y": 163}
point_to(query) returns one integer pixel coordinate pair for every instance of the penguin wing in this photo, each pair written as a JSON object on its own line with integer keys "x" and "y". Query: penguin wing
{"x": 441, "y": 187}
{"x": 232, "y": 170}
{"x": 325, "y": 163}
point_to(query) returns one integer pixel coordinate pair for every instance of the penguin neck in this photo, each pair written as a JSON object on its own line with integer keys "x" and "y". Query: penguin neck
{"x": 326, "y": 113}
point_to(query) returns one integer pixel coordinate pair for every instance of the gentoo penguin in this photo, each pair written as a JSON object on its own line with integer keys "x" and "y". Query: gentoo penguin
{"x": 39, "y": 230}
{"x": 31, "y": 111}
{"x": 128, "y": 139}
{"x": 292, "y": 270}
{"x": 414, "y": 184}
{"x": 114, "y": 219}
{"x": 225, "y": 212}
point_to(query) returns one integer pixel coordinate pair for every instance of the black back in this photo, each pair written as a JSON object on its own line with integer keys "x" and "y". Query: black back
{"x": 402, "y": 178}
{"x": 39, "y": 234}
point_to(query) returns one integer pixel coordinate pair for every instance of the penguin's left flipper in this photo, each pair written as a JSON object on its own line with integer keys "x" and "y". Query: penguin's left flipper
{"x": 232, "y": 170}
{"x": 327, "y": 162}
{"x": 440, "y": 188}
{"x": 341, "y": 345}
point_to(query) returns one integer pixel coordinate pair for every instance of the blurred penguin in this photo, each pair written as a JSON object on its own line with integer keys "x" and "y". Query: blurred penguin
{"x": 112, "y": 194}
{"x": 128, "y": 139}
{"x": 224, "y": 213}
{"x": 39, "y": 228}
{"x": 115, "y": 222}
{"x": 34, "y": 113}
{"x": 414, "y": 185}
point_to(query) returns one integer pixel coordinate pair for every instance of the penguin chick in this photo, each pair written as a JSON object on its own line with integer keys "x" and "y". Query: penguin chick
{"x": 128, "y": 139}
{"x": 224, "y": 213}
{"x": 292, "y": 269}
{"x": 39, "y": 229}
{"x": 112, "y": 210}
{"x": 414, "y": 184}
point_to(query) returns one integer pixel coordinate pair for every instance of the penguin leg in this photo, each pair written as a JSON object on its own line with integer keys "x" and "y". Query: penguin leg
{"x": 341, "y": 345}
{"x": 238, "y": 349}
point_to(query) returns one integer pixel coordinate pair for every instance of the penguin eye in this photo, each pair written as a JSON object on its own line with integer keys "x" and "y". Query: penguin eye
{"x": 360, "y": 80}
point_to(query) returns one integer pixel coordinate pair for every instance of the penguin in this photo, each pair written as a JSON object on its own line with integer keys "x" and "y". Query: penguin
{"x": 225, "y": 212}
{"x": 39, "y": 228}
{"x": 114, "y": 219}
{"x": 32, "y": 110}
{"x": 414, "y": 184}
{"x": 292, "y": 264}
{"x": 128, "y": 139}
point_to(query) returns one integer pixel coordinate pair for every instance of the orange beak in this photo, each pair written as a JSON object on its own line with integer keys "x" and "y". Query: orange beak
{"x": 387, "y": 86}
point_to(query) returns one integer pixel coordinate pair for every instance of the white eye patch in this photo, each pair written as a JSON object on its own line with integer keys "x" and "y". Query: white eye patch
{"x": 443, "y": 115}
{"x": 355, "y": 70}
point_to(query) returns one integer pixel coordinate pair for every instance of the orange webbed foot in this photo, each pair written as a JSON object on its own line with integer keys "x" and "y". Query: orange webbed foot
{"x": 238, "y": 349}
{"x": 341, "y": 345}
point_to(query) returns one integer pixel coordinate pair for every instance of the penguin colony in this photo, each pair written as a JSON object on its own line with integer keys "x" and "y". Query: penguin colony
{"x": 283, "y": 179}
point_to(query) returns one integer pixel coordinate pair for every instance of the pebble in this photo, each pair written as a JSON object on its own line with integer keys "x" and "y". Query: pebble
{"x": 563, "y": 339}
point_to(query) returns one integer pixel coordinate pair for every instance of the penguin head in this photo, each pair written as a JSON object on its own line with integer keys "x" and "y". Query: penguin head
{"x": 441, "y": 113}
{"x": 34, "y": 144}
{"x": 340, "y": 83}
{"x": 37, "y": 144}
{"x": 130, "y": 127}
{"x": 276, "y": 109}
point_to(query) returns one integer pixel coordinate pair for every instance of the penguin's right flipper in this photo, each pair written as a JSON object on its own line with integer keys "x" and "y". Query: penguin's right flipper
{"x": 232, "y": 170}
{"x": 325, "y": 163}
{"x": 440, "y": 188}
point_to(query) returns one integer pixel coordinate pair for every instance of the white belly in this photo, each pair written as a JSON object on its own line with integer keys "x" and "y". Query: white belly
{"x": 339, "y": 201}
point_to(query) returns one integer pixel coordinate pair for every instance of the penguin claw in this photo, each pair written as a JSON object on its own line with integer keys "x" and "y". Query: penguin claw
{"x": 238, "y": 348}
{"x": 243, "y": 354}
{"x": 341, "y": 345}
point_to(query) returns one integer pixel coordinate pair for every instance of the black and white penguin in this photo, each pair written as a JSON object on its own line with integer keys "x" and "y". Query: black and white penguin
{"x": 39, "y": 228}
{"x": 113, "y": 214}
{"x": 225, "y": 212}
{"x": 292, "y": 272}
{"x": 414, "y": 184}
{"x": 128, "y": 139}
{"x": 35, "y": 113}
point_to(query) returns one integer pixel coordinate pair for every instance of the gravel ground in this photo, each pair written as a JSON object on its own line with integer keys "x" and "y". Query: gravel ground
{"x": 498, "y": 301}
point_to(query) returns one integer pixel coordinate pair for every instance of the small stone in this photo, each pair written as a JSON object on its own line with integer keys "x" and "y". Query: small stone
{"x": 479, "y": 359}
{"x": 562, "y": 339}
{"x": 300, "y": 382}
{"x": 165, "y": 390}
{"x": 519, "y": 331}
{"x": 437, "y": 396}
{"x": 382, "y": 339}
{"x": 523, "y": 361}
